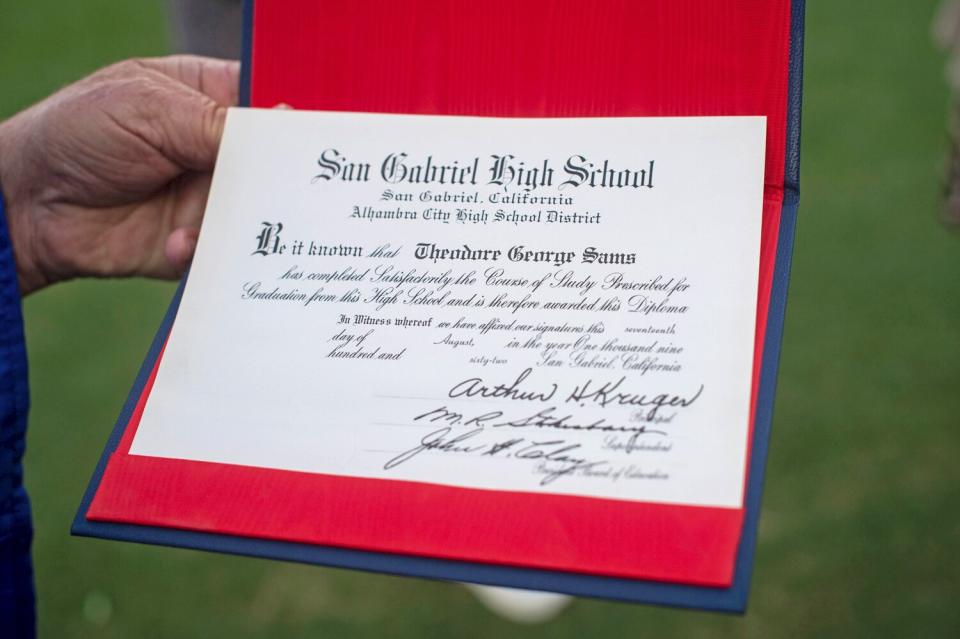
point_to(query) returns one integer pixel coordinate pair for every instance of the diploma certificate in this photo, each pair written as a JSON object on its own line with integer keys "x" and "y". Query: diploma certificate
{"x": 562, "y": 306}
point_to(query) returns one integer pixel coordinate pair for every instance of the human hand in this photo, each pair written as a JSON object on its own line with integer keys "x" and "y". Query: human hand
{"x": 109, "y": 176}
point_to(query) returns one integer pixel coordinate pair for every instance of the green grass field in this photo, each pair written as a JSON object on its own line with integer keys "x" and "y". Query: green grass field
{"x": 860, "y": 533}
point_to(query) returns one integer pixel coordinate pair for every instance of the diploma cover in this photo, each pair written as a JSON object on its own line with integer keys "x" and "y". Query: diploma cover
{"x": 535, "y": 59}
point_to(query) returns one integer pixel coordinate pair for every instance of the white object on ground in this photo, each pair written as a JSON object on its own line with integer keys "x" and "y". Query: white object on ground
{"x": 520, "y": 606}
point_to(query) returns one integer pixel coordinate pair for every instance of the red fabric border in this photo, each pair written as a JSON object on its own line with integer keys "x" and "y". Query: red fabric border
{"x": 660, "y": 57}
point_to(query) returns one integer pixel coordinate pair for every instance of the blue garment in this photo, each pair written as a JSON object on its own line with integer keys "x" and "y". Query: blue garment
{"x": 17, "y": 619}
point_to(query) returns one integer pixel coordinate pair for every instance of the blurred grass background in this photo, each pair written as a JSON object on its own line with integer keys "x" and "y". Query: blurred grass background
{"x": 860, "y": 532}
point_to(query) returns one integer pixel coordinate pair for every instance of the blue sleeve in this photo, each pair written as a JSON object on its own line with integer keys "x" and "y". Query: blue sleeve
{"x": 16, "y": 572}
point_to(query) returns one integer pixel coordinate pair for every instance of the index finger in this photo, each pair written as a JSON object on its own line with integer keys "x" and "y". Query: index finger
{"x": 215, "y": 78}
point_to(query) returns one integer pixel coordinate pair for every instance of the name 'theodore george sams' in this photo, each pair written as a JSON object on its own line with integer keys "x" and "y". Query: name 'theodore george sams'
{"x": 589, "y": 255}
{"x": 504, "y": 171}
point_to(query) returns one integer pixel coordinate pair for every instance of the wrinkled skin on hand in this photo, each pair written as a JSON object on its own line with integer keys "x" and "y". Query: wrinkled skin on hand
{"x": 109, "y": 176}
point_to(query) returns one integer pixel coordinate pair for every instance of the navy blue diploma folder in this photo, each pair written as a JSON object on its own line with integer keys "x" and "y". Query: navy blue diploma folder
{"x": 297, "y": 52}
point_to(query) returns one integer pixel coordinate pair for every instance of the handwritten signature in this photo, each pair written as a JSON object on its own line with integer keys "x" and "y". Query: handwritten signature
{"x": 588, "y": 392}
{"x": 468, "y": 433}
{"x": 559, "y": 452}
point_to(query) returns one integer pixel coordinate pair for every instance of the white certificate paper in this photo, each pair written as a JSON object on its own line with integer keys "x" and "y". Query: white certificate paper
{"x": 540, "y": 305}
